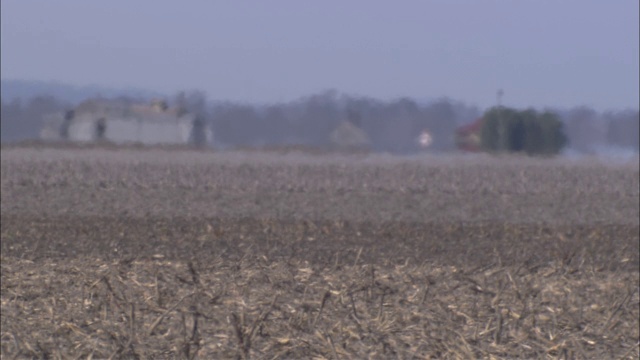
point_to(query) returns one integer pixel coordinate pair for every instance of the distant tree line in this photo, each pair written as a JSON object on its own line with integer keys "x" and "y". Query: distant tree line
{"x": 589, "y": 131}
{"x": 392, "y": 126}
{"x": 525, "y": 131}
{"x": 22, "y": 119}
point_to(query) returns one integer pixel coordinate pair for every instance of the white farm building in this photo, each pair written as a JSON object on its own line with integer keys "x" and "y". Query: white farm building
{"x": 121, "y": 122}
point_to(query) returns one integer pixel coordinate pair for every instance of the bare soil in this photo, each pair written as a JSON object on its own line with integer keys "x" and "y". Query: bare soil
{"x": 175, "y": 253}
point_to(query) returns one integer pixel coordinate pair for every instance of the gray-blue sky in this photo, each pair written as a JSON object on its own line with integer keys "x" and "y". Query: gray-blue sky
{"x": 542, "y": 53}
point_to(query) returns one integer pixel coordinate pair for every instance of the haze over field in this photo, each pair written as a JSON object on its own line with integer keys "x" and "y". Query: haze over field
{"x": 542, "y": 53}
{"x": 289, "y": 73}
{"x": 330, "y": 179}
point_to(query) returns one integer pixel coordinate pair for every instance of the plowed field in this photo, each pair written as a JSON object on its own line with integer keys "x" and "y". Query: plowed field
{"x": 172, "y": 253}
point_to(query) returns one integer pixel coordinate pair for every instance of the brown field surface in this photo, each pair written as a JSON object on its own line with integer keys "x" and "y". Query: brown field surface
{"x": 178, "y": 254}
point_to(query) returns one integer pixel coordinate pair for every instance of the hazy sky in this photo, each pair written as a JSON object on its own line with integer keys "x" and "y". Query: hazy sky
{"x": 542, "y": 53}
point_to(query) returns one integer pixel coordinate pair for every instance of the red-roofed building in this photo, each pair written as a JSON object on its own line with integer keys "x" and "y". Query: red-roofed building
{"x": 468, "y": 137}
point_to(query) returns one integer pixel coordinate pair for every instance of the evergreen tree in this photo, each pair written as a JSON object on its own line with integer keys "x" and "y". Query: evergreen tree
{"x": 510, "y": 130}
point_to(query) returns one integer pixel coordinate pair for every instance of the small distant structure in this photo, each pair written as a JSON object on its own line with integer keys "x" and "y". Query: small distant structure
{"x": 425, "y": 139}
{"x": 469, "y": 137}
{"x": 348, "y": 136}
{"x": 121, "y": 122}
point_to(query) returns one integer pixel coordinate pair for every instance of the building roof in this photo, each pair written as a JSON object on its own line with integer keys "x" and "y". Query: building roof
{"x": 472, "y": 128}
{"x": 349, "y": 135}
{"x": 155, "y": 111}
{"x": 468, "y": 137}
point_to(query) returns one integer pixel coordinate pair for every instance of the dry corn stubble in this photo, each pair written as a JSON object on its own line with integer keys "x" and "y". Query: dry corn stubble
{"x": 173, "y": 254}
